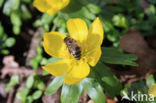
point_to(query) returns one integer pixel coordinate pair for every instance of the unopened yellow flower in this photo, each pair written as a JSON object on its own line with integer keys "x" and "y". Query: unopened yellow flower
{"x": 90, "y": 43}
{"x": 152, "y": 90}
{"x": 50, "y": 6}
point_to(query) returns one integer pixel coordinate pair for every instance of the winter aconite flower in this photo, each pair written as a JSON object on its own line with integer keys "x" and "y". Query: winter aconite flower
{"x": 152, "y": 90}
{"x": 88, "y": 40}
{"x": 50, "y": 6}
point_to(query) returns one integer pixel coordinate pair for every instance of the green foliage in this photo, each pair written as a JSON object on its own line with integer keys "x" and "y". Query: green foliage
{"x": 54, "y": 85}
{"x": 94, "y": 90}
{"x": 37, "y": 94}
{"x": 107, "y": 79}
{"x": 10, "y": 42}
{"x": 139, "y": 87}
{"x": 71, "y": 93}
{"x": 114, "y": 56}
{"x": 52, "y": 60}
{"x": 116, "y": 18}
{"x": 1, "y": 3}
{"x": 30, "y": 81}
{"x": 151, "y": 10}
{"x": 13, "y": 81}
{"x": 17, "y": 11}
{"x": 120, "y": 21}
{"x": 44, "y": 22}
{"x": 94, "y": 8}
{"x": 99, "y": 77}
{"x": 33, "y": 82}
{"x": 16, "y": 21}
{"x": 22, "y": 95}
{"x": 37, "y": 59}
{"x": 150, "y": 80}
{"x": 5, "y": 41}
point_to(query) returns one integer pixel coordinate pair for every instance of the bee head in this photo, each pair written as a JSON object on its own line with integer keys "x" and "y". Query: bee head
{"x": 68, "y": 40}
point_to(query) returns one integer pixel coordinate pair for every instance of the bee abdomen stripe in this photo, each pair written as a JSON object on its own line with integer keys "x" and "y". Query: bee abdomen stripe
{"x": 78, "y": 58}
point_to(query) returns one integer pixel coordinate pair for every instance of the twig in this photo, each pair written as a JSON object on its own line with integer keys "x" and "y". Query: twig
{"x": 19, "y": 71}
{"x": 2, "y": 90}
{"x": 10, "y": 97}
{"x": 35, "y": 42}
{"x": 85, "y": 97}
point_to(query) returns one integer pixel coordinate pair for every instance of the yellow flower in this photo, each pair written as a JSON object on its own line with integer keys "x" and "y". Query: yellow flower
{"x": 152, "y": 90}
{"x": 88, "y": 40}
{"x": 50, "y": 6}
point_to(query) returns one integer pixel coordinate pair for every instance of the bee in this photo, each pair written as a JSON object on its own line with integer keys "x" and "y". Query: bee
{"x": 73, "y": 47}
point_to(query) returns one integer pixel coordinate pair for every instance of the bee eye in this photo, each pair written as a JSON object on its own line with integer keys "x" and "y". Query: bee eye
{"x": 70, "y": 41}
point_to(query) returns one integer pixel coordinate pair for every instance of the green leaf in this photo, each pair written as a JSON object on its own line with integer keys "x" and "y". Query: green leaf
{"x": 15, "y": 4}
{"x": 1, "y": 29}
{"x": 82, "y": 13}
{"x": 30, "y": 81}
{"x": 45, "y": 19}
{"x": 108, "y": 80}
{"x": 34, "y": 63}
{"x": 151, "y": 10}
{"x": 25, "y": 12}
{"x": 7, "y": 8}
{"x": 40, "y": 85}
{"x": 1, "y": 3}
{"x": 120, "y": 21}
{"x": 152, "y": 1}
{"x": 16, "y": 29}
{"x": 30, "y": 99}
{"x": 23, "y": 94}
{"x": 113, "y": 56}
{"x": 93, "y": 8}
{"x": 10, "y": 42}
{"x": 138, "y": 87}
{"x": 27, "y": 1}
{"x": 54, "y": 85}
{"x": 5, "y": 51}
{"x": 15, "y": 19}
{"x": 14, "y": 80}
{"x": 150, "y": 81}
{"x": 94, "y": 90}
{"x": 107, "y": 26}
{"x": 38, "y": 58}
{"x": 44, "y": 61}
{"x": 80, "y": 10}
{"x": 45, "y": 73}
{"x": 77, "y": 4}
{"x": 53, "y": 59}
{"x": 71, "y": 93}
{"x": 39, "y": 50}
{"x": 37, "y": 94}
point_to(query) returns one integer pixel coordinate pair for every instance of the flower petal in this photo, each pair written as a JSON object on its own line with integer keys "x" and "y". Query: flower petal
{"x": 58, "y": 68}
{"x": 94, "y": 56}
{"x": 77, "y": 73}
{"x": 51, "y": 11}
{"x": 50, "y": 6}
{"x": 41, "y": 5}
{"x": 58, "y": 4}
{"x": 77, "y": 29}
{"x": 54, "y": 45}
{"x": 95, "y": 35}
{"x": 152, "y": 90}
